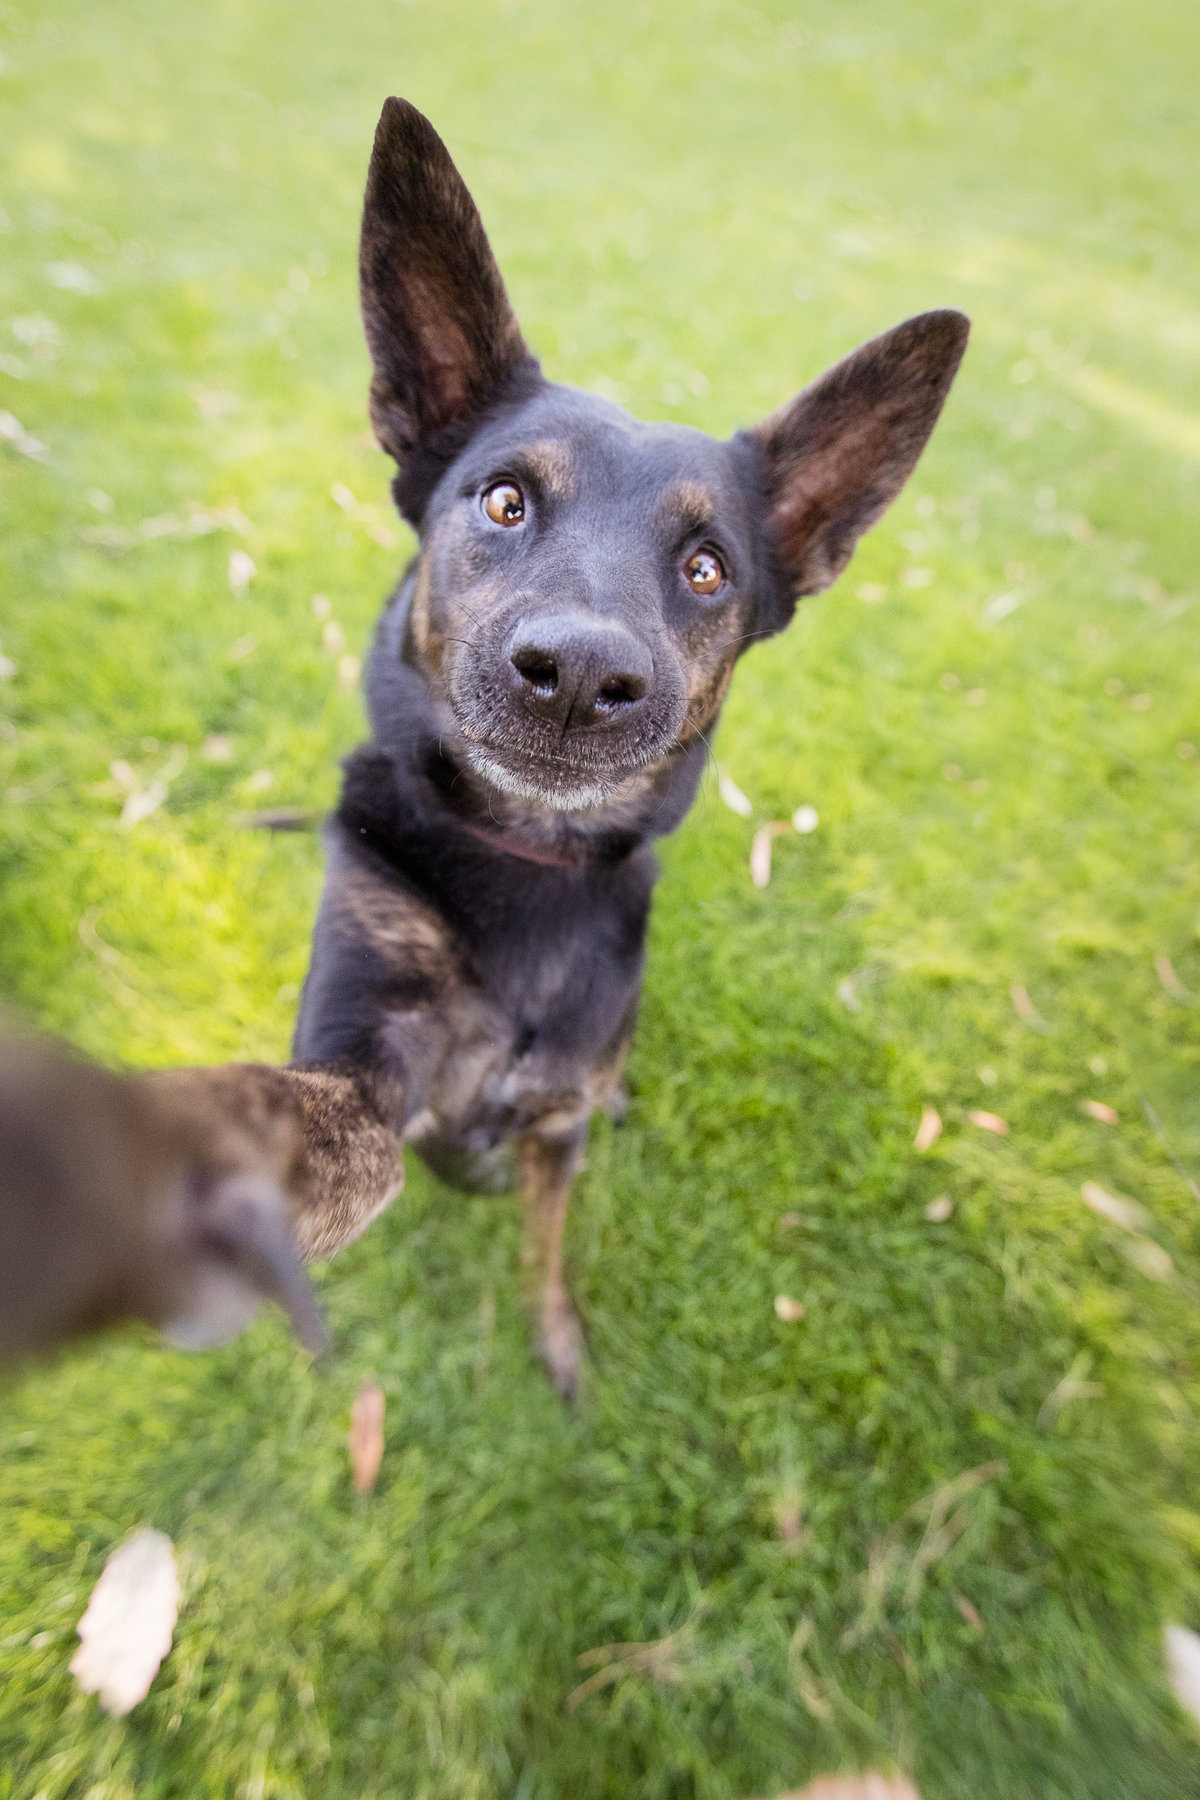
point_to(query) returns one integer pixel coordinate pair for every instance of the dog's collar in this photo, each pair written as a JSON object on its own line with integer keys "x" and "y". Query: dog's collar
{"x": 511, "y": 843}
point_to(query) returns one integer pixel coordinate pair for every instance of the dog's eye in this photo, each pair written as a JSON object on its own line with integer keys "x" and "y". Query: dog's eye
{"x": 504, "y": 503}
{"x": 703, "y": 572}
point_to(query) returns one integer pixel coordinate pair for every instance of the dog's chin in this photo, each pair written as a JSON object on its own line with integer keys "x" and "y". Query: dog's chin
{"x": 556, "y": 785}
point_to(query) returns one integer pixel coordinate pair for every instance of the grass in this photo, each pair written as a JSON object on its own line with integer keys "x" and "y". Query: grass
{"x": 697, "y": 209}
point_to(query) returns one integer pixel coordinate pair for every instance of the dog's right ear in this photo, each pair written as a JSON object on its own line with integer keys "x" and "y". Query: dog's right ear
{"x": 443, "y": 338}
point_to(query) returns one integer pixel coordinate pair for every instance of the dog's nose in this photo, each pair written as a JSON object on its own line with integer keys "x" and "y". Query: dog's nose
{"x": 576, "y": 671}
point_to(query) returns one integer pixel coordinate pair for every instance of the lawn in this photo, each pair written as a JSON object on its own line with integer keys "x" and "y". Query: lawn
{"x": 996, "y": 715}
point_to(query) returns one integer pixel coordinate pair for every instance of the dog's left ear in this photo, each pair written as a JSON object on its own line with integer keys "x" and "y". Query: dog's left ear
{"x": 833, "y": 460}
{"x": 443, "y": 338}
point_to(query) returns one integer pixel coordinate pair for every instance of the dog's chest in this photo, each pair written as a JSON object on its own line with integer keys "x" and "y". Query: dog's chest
{"x": 533, "y": 1031}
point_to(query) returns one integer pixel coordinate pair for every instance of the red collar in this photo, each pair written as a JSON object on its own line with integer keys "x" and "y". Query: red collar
{"x": 511, "y": 843}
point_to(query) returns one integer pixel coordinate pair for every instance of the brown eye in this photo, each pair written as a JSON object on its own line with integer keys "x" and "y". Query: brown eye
{"x": 704, "y": 572}
{"x": 504, "y": 503}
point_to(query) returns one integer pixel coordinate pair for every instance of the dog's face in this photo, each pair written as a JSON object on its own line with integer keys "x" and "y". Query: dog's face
{"x": 587, "y": 581}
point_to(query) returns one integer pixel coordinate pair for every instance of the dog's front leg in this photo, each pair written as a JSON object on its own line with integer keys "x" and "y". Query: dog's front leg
{"x": 547, "y": 1166}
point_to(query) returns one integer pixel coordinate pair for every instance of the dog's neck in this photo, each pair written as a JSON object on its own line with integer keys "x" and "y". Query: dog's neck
{"x": 414, "y": 726}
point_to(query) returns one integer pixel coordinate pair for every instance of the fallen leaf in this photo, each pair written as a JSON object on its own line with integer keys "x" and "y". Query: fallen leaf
{"x": 1165, "y": 969}
{"x": 144, "y": 799}
{"x": 787, "y": 1310}
{"x": 989, "y": 1121}
{"x": 732, "y": 794}
{"x": 1026, "y": 1010}
{"x": 1118, "y": 1209}
{"x": 1001, "y": 607}
{"x": 760, "y": 850}
{"x": 969, "y": 1613}
{"x": 14, "y": 433}
{"x": 241, "y": 570}
{"x": 341, "y": 496}
{"x": 1148, "y": 1258}
{"x": 1182, "y": 1651}
{"x": 788, "y": 1221}
{"x": 929, "y": 1130}
{"x": 217, "y": 747}
{"x": 366, "y": 1436}
{"x": 126, "y": 1631}
{"x": 349, "y": 668}
{"x": 1096, "y": 1109}
{"x": 333, "y": 638}
{"x": 939, "y": 1210}
{"x": 72, "y": 277}
{"x": 805, "y": 819}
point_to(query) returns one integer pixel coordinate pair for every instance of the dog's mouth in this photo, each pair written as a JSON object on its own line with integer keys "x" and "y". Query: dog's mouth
{"x": 549, "y": 777}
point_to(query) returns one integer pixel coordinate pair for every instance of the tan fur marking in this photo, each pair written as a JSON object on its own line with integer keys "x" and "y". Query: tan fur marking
{"x": 552, "y": 465}
{"x": 693, "y": 501}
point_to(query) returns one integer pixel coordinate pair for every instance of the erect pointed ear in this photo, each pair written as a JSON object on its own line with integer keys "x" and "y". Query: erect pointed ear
{"x": 833, "y": 459}
{"x": 442, "y": 335}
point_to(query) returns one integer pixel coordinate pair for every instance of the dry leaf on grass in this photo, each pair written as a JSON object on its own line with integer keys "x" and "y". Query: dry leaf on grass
{"x": 1148, "y": 1258}
{"x": 366, "y": 1436}
{"x": 732, "y": 794}
{"x": 989, "y": 1121}
{"x": 1182, "y": 1650}
{"x": 126, "y": 1630}
{"x": 1096, "y": 1109}
{"x": 787, "y": 1310}
{"x": 969, "y": 1612}
{"x": 1118, "y": 1209}
{"x": 760, "y": 850}
{"x": 1165, "y": 969}
{"x": 241, "y": 570}
{"x": 929, "y": 1130}
{"x": 1026, "y": 1010}
{"x": 854, "y": 1787}
{"x": 939, "y": 1210}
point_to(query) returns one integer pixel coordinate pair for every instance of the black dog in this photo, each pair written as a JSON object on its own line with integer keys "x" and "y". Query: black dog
{"x": 540, "y": 692}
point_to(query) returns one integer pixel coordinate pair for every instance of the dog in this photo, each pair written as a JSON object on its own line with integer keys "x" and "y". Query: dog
{"x": 541, "y": 691}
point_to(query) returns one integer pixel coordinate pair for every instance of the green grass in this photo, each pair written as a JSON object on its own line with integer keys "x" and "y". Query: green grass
{"x": 698, "y": 208}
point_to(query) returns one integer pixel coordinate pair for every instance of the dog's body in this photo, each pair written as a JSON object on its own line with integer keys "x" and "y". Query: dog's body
{"x": 540, "y": 691}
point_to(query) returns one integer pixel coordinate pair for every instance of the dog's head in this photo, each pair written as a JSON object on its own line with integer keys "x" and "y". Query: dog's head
{"x": 586, "y": 581}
